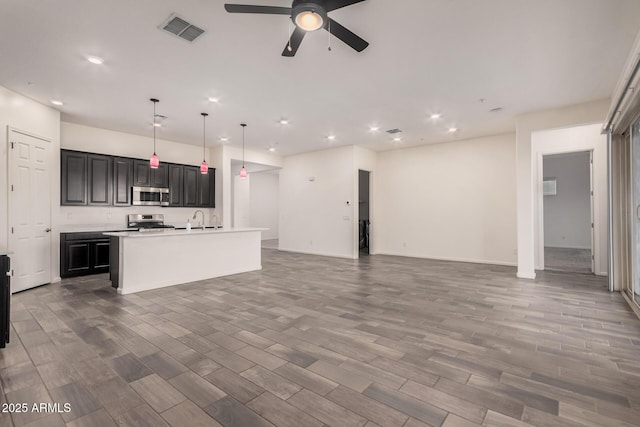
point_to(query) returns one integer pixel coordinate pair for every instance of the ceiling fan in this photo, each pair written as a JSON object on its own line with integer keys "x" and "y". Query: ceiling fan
{"x": 308, "y": 15}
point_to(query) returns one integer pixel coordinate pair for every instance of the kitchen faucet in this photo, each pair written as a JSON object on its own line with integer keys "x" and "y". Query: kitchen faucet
{"x": 196, "y": 214}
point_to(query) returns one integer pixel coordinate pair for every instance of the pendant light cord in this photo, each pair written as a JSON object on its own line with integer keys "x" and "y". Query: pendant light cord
{"x": 243, "y": 126}
{"x": 204, "y": 135}
{"x": 155, "y": 101}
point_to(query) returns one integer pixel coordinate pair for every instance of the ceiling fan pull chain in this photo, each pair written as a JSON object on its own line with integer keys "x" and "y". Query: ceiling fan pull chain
{"x": 289, "y": 45}
{"x": 329, "y": 48}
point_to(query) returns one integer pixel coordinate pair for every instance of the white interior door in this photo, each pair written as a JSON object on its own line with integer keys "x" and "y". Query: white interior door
{"x": 29, "y": 210}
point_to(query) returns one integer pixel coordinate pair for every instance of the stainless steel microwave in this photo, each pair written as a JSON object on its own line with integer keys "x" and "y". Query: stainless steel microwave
{"x": 149, "y": 196}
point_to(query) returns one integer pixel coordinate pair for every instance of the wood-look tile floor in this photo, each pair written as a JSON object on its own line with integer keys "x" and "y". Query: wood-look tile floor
{"x": 567, "y": 259}
{"x": 314, "y": 341}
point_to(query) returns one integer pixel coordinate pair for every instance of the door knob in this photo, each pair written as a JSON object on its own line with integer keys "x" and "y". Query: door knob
{"x": 47, "y": 230}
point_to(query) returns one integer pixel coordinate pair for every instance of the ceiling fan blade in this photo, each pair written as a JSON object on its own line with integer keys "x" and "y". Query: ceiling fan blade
{"x": 247, "y": 8}
{"x": 346, "y": 36}
{"x": 330, "y": 5}
{"x": 296, "y": 39}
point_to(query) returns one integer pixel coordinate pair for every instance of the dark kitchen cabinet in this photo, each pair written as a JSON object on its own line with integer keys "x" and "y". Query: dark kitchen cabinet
{"x": 207, "y": 189}
{"x": 160, "y": 176}
{"x": 144, "y": 176}
{"x": 73, "y": 179}
{"x": 99, "y": 180}
{"x": 176, "y": 185}
{"x": 141, "y": 173}
{"x": 83, "y": 253}
{"x": 190, "y": 195}
{"x": 122, "y": 178}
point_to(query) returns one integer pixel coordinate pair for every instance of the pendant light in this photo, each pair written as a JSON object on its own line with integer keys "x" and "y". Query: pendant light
{"x": 243, "y": 171}
{"x": 154, "y": 162}
{"x": 204, "y": 167}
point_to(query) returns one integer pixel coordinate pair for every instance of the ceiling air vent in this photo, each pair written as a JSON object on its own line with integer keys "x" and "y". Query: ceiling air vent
{"x": 181, "y": 28}
{"x": 393, "y": 131}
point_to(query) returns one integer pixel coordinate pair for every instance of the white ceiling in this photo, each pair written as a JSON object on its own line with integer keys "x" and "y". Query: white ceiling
{"x": 425, "y": 56}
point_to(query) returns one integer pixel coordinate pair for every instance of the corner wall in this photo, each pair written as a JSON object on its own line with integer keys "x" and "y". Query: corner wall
{"x": 317, "y": 197}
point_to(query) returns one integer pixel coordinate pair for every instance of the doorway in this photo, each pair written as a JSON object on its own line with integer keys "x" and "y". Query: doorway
{"x": 364, "y": 223}
{"x": 29, "y": 210}
{"x": 568, "y": 212}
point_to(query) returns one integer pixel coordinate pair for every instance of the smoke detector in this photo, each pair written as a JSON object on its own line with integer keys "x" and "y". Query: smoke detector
{"x": 181, "y": 28}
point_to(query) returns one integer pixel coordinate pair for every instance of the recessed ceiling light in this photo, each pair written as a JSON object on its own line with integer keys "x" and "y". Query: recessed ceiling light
{"x": 435, "y": 116}
{"x": 271, "y": 149}
{"x": 284, "y": 122}
{"x": 453, "y": 130}
{"x": 397, "y": 139}
{"x": 374, "y": 128}
{"x": 224, "y": 139}
{"x": 331, "y": 137}
{"x": 55, "y": 102}
{"x": 95, "y": 60}
{"x": 213, "y": 99}
{"x": 158, "y": 125}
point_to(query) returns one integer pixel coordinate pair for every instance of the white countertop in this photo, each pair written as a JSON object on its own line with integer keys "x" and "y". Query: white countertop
{"x": 4, "y": 252}
{"x": 171, "y": 232}
{"x": 88, "y": 228}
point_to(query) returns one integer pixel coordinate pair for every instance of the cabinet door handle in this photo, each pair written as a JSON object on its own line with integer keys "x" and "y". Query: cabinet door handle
{"x": 47, "y": 230}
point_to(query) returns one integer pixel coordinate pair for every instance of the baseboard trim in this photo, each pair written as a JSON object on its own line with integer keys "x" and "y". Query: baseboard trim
{"x": 466, "y": 260}
{"x": 530, "y": 276}
{"x": 315, "y": 253}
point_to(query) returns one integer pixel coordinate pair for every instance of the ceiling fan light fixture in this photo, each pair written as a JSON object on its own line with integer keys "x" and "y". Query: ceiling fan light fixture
{"x": 308, "y": 16}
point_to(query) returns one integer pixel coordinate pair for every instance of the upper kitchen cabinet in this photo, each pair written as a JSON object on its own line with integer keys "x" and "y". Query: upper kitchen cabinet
{"x": 176, "y": 185}
{"x": 144, "y": 176}
{"x": 207, "y": 189}
{"x": 141, "y": 173}
{"x": 160, "y": 176}
{"x": 190, "y": 195}
{"x": 99, "y": 188}
{"x": 73, "y": 179}
{"x": 122, "y": 178}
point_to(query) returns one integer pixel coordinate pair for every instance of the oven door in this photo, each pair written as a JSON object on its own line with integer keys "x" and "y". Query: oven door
{"x": 149, "y": 196}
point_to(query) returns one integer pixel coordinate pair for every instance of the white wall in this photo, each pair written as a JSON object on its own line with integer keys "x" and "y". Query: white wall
{"x": 566, "y": 140}
{"x": 567, "y": 214}
{"x": 228, "y": 155}
{"x": 453, "y": 201}
{"x": 526, "y": 125}
{"x": 317, "y": 193}
{"x": 264, "y": 196}
{"x": 242, "y": 201}
{"x": 21, "y": 113}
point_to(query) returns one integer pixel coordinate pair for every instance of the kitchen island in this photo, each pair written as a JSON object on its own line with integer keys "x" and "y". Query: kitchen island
{"x": 141, "y": 261}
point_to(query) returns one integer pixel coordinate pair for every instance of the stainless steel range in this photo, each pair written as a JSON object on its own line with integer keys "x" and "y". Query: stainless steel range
{"x": 144, "y": 222}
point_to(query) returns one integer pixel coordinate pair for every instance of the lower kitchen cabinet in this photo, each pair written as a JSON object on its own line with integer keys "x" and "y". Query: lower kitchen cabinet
{"x": 83, "y": 254}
